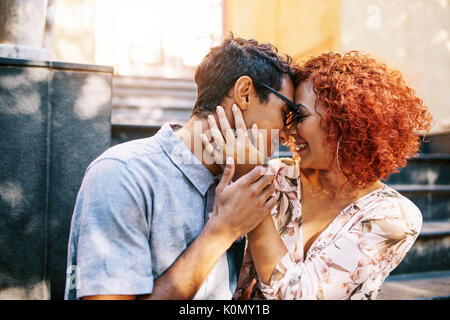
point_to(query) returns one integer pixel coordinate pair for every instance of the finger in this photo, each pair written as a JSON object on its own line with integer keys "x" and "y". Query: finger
{"x": 249, "y": 178}
{"x": 209, "y": 149}
{"x": 254, "y": 135}
{"x": 213, "y": 153}
{"x": 207, "y": 133}
{"x": 231, "y": 143}
{"x": 264, "y": 181}
{"x": 258, "y": 142}
{"x": 223, "y": 120}
{"x": 271, "y": 203}
{"x": 215, "y": 132}
{"x": 262, "y": 146}
{"x": 253, "y": 142}
{"x": 241, "y": 128}
{"x": 227, "y": 132}
{"x": 227, "y": 175}
{"x": 268, "y": 192}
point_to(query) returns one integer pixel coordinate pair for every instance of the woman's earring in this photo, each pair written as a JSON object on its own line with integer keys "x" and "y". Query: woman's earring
{"x": 337, "y": 156}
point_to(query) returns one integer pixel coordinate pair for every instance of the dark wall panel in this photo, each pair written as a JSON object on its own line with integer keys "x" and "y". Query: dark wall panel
{"x": 54, "y": 120}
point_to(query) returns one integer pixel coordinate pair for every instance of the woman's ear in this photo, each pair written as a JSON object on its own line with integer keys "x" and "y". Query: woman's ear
{"x": 242, "y": 92}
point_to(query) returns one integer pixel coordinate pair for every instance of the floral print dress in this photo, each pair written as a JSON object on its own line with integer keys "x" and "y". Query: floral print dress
{"x": 350, "y": 259}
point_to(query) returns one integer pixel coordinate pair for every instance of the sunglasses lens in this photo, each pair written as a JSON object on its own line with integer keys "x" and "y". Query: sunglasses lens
{"x": 288, "y": 118}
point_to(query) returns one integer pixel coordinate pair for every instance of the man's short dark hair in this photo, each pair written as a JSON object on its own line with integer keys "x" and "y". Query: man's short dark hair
{"x": 232, "y": 59}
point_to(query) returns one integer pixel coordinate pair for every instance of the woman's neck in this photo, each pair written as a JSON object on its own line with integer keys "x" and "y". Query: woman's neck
{"x": 334, "y": 186}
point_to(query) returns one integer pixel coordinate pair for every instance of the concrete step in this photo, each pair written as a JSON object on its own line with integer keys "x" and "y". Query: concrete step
{"x": 426, "y": 169}
{"x": 158, "y": 102}
{"x": 157, "y": 83}
{"x": 433, "y": 201}
{"x": 152, "y": 101}
{"x": 153, "y": 117}
{"x": 154, "y": 92}
{"x": 417, "y": 286}
{"x": 430, "y": 252}
{"x": 126, "y": 132}
{"x": 436, "y": 143}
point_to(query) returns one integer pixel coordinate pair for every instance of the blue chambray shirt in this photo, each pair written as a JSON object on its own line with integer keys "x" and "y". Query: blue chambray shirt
{"x": 140, "y": 205}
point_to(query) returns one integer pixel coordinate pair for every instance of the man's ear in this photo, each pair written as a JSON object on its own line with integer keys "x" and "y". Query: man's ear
{"x": 242, "y": 92}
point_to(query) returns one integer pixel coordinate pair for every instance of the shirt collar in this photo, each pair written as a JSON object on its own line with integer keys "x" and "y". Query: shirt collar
{"x": 200, "y": 177}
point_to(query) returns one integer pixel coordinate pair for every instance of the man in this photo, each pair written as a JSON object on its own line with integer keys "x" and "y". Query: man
{"x": 151, "y": 220}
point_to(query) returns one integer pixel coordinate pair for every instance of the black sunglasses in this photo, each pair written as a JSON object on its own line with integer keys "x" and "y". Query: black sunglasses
{"x": 295, "y": 112}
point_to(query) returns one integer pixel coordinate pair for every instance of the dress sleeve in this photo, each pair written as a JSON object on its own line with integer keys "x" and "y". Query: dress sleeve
{"x": 355, "y": 263}
{"x": 286, "y": 186}
{"x": 246, "y": 276}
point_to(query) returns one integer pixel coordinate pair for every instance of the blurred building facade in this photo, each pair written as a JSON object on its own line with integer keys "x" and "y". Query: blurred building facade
{"x": 137, "y": 37}
{"x": 167, "y": 39}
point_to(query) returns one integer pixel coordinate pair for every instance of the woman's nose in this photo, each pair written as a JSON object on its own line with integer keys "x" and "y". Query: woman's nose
{"x": 287, "y": 132}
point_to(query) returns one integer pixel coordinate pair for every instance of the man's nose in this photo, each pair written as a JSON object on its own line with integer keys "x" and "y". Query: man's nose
{"x": 284, "y": 135}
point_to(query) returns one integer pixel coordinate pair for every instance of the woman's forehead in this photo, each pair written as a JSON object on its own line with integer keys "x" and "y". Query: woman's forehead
{"x": 306, "y": 85}
{"x": 304, "y": 93}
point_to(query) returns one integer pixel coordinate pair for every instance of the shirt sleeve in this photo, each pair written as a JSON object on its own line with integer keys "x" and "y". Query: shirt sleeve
{"x": 355, "y": 263}
{"x": 112, "y": 243}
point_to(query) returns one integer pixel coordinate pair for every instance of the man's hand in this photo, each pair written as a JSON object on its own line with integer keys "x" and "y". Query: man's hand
{"x": 241, "y": 206}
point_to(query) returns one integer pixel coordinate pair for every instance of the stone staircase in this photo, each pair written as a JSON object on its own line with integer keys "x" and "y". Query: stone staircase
{"x": 142, "y": 105}
{"x": 425, "y": 271}
{"x": 144, "y": 101}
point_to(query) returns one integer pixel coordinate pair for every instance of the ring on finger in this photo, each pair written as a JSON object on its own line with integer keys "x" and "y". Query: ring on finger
{"x": 215, "y": 146}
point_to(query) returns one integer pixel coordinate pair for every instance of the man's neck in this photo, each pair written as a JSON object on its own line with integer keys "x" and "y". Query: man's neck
{"x": 190, "y": 135}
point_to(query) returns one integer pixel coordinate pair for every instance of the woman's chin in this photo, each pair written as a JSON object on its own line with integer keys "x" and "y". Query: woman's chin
{"x": 303, "y": 164}
{"x": 308, "y": 164}
{"x": 301, "y": 154}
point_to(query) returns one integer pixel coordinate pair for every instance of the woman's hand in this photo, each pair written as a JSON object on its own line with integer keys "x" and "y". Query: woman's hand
{"x": 236, "y": 144}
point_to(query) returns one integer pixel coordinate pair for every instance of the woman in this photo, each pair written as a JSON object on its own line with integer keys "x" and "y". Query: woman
{"x": 338, "y": 231}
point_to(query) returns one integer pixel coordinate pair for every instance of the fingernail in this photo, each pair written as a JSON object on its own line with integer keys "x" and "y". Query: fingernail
{"x": 230, "y": 161}
{"x": 254, "y": 126}
{"x": 219, "y": 109}
{"x": 235, "y": 108}
{"x": 210, "y": 118}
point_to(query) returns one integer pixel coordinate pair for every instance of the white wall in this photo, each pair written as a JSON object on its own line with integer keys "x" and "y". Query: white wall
{"x": 414, "y": 36}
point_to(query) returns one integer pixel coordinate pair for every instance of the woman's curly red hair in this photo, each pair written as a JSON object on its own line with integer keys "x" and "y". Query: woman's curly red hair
{"x": 370, "y": 110}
